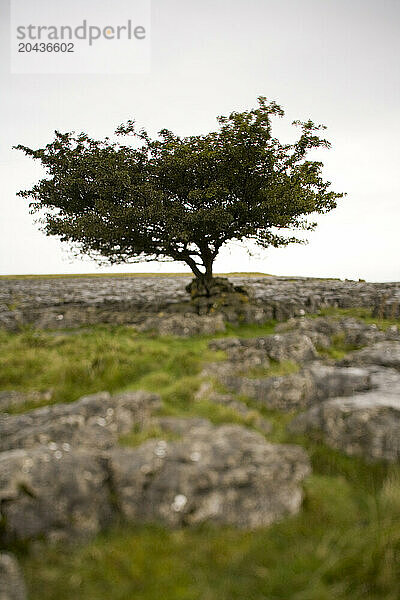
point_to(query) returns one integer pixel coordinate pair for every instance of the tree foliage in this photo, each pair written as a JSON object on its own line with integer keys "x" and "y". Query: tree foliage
{"x": 181, "y": 198}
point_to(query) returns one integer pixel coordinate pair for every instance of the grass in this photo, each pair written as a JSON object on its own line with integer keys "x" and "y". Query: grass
{"x": 274, "y": 369}
{"x": 343, "y": 545}
{"x": 136, "y": 437}
{"x": 338, "y": 349}
{"x": 104, "y": 358}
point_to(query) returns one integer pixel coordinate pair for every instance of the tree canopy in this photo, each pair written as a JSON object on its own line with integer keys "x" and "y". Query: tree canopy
{"x": 181, "y": 198}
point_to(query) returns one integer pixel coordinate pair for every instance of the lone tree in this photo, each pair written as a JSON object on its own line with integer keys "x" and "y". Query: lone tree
{"x": 181, "y": 198}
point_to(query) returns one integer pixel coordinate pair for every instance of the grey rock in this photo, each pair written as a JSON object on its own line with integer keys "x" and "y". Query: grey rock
{"x": 12, "y": 586}
{"x": 183, "y": 325}
{"x": 300, "y": 390}
{"x": 279, "y": 347}
{"x": 323, "y": 330}
{"x": 366, "y": 424}
{"x": 71, "y": 302}
{"x": 62, "y": 474}
{"x": 386, "y": 354}
{"x": 243, "y": 358}
{"x": 387, "y": 304}
{"x": 384, "y": 379}
{"x": 178, "y": 425}
{"x": 227, "y": 475}
{"x": 331, "y": 381}
{"x": 53, "y": 493}
{"x": 10, "y": 399}
{"x": 286, "y": 393}
{"x": 92, "y": 422}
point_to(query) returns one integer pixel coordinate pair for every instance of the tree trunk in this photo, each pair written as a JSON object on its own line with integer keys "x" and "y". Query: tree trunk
{"x": 207, "y": 280}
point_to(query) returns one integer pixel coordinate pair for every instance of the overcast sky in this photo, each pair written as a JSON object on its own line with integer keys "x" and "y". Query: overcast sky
{"x": 336, "y": 61}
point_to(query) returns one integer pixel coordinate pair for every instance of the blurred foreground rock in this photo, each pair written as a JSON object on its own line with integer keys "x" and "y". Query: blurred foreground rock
{"x": 94, "y": 421}
{"x": 12, "y": 585}
{"x": 227, "y": 474}
{"x": 62, "y": 473}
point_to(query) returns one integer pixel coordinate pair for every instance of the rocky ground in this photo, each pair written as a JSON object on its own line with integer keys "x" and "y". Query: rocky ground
{"x": 69, "y": 302}
{"x": 64, "y": 474}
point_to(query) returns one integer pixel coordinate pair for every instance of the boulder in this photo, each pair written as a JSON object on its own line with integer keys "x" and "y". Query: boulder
{"x": 227, "y": 475}
{"x": 12, "y": 586}
{"x": 62, "y": 474}
{"x": 368, "y": 426}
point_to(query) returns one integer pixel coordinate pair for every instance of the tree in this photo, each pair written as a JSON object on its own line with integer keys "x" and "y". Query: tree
{"x": 181, "y": 198}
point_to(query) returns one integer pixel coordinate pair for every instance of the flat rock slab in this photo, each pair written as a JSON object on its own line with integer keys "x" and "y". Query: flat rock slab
{"x": 366, "y": 424}
{"x": 386, "y": 354}
{"x": 313, "y": 384}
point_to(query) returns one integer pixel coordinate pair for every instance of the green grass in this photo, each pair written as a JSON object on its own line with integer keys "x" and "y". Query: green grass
{"x": 78, "y": 362}
{"x": 338, "y": 348}
{"x": 136, "y": 437}
{"x": 274, "y": 369}
{"x": 344, "y": 544}
{"x": 72, "y": 364}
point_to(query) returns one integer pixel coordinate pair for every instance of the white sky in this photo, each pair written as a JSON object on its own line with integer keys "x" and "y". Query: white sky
{"x": 336, "y": 61}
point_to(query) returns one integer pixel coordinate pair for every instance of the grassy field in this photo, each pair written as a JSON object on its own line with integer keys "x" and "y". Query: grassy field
{"x": 344, "y": 544}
